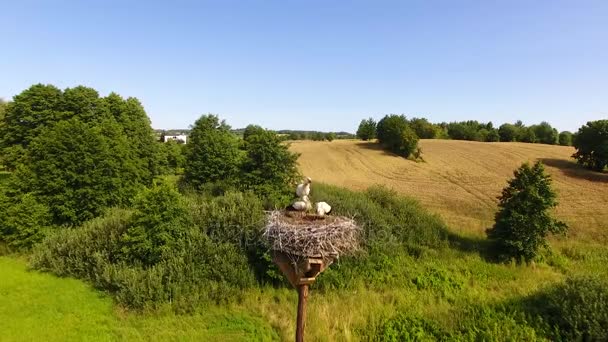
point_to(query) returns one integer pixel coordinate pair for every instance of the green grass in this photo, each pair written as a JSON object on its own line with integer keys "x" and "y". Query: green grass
{"x": 41, "y": 307}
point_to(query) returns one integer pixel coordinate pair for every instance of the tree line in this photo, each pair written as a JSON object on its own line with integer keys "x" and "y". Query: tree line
{"x": 400, "y": 135}
{"x": 477, "y": 131}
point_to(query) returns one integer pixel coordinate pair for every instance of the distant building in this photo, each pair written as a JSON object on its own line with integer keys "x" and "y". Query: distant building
{"x": 183, "y": 138}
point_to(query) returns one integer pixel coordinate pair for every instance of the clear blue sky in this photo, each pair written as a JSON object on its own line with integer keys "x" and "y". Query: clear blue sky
{"x": 321, "y": 65}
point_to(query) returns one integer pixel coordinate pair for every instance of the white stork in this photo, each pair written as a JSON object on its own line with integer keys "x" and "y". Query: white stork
{"x": 303, "y": 189}
{"x": 302, "y": 205}
{"x": 322, "y": 208}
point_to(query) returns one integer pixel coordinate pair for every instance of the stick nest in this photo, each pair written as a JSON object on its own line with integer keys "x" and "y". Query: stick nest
{"x": 310, "y": 235}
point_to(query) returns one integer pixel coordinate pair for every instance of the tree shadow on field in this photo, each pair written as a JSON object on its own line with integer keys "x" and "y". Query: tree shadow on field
{"x": 572, "y": 169}
{"x": 375, "y": 146}
{"x": 472, "y": 244}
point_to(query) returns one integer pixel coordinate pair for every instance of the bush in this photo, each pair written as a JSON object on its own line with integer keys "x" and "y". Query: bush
{"x": 576, "y": 310}
{"x": 367, "y": 129}
{"x": 158, "y": 227}
{"x": 394, "y": 228}
{"x": 523, "y": 221}
{"x": 396, "y": 135}
{"x": 187, "y": 268}
{"x": 23, "y": 220}
{"x": 591, "y": 143}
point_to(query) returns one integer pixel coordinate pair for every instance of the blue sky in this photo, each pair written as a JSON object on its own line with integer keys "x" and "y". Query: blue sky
{"x": 321, "y": 65}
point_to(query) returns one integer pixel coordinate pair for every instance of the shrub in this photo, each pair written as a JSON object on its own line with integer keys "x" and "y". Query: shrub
{"x": 393, "y": 228}
{"x": 577, "y": 310}
{"x": 396, "y": 135}
{"x": 523, "y": 221}
{"x": 159, "y": 226}
{"x": 23, "y": 220}
{"x": 195, "y": 270}
{"x": 591, "y": 143}
{"x": 367, "y": 129}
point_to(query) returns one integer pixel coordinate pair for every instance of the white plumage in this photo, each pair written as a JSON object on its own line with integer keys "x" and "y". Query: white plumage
{"x": 303, "y": 189}
{"x": 301, "y": 205}
{"x": 323, "y": 208}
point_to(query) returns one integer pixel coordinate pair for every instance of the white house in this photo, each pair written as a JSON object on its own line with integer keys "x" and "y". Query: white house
{"x": 182, "y": 137}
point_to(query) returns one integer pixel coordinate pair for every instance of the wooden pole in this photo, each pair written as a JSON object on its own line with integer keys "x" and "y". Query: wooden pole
{"x": 302, "y": 298}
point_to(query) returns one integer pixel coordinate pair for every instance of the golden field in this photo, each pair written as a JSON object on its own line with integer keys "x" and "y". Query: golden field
{"x": 461, "y": 180}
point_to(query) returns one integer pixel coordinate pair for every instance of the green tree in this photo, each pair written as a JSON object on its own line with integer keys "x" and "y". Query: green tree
{"x": 212, "y": 153}
{"x": 565, "y": 138}
{"x": 367, "y": 129}
{"x": 527, "y": 135}
{"x": 524, "y": 219}
{"x": 396, "y": 135}
{"x": 508, "y": 132}
{"x": 158, "y": 226}
{"x": 591, "y": 143}
{"x": 24, "y": 117}
{"x": 251, "y": 130}
{"x": 78, "y": 169}
{"x": 269, "y": 168}
{"x": 423, "y": 128}
{"x": 144, "y": 151}
{"x": 331, "y": 136}
{"x": 545, "y": 134}
{"x": 173, "y": 156}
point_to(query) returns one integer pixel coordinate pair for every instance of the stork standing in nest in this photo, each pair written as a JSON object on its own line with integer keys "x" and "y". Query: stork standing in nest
{"x": 303, "y": 188}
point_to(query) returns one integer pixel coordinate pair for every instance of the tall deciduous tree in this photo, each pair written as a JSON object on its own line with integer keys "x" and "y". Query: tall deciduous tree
{"x": 524, "y": 219}
{"x": 212, "y": 153}
{"x": 78, "y": 170}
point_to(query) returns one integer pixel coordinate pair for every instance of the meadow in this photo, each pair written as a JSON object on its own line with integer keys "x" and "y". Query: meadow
{"x": 461, "y": 180}
{"x": 429, "y": 281}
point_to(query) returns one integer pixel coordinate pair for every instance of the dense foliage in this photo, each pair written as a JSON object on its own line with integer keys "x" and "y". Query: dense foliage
{"x": 524, "y": 219}
{"x": 565, "y": 138}
{"x": 591, "y": 143}
{"x": 212, "y": 153}
{"x": 268, "y": 167}
{"x": 23, "y": 220}
{"x": 367, "y": 129}
{"x": 159, "y": 253}
{"x": 75, "y": 152}
{"x": 395, "y": 134}
{"x": 576, "y": 310}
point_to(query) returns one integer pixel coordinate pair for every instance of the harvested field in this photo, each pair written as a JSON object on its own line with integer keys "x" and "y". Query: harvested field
{"x": 461, "y": 180}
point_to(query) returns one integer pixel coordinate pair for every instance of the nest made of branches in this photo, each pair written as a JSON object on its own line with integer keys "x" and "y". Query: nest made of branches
{"x": 310, "y": 235}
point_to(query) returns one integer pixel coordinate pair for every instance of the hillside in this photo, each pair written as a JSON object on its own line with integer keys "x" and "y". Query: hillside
{"x": 461, "y": 180}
